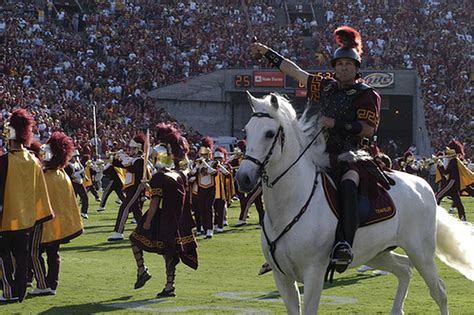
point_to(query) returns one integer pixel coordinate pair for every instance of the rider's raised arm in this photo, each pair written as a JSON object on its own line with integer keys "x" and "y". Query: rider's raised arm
{"x": 285, "y": 65}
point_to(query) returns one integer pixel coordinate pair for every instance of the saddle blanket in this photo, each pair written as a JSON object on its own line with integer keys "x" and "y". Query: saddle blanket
{"x": 372, "y": 209}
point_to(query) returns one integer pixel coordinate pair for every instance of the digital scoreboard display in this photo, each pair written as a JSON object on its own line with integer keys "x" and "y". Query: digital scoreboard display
{"x": 243, "y": 81}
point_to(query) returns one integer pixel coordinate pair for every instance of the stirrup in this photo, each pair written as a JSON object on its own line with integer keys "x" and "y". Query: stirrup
{"x": 341, "y": 254}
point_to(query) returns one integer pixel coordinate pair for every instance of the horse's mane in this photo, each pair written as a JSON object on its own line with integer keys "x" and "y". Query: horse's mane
{"x": 305, "y": 128}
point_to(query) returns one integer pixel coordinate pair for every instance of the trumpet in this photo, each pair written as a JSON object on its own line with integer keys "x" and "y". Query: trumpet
{"x": 113, "y": 153}
{"x": 446, "y": 156}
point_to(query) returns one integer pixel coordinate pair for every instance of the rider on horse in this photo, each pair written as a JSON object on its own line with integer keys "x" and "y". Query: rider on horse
{"x": 351, "y": 114}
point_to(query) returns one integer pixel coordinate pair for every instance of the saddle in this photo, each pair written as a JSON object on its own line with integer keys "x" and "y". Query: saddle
{"x": 375, "y": 204}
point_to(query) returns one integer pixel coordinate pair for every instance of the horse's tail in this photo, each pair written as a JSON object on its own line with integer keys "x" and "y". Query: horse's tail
{"x": 454, "y": 243}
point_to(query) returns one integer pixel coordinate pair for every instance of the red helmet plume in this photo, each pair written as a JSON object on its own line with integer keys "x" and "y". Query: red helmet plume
{"x": 457, "y": 146}
{"x": 62, "y": 147}
{"x": 166, "y": 133}
{"x": 348, "y": 37}
{"x": 22, "y": 122}
{"x": 207, "y": 142}
{"x": 350, "y": 45}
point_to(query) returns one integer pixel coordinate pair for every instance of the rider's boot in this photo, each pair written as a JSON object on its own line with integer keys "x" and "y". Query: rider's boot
{"x": 341, "y": 255}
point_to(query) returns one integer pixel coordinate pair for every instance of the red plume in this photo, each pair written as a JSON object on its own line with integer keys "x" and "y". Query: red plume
{"x": 166, "y": 133}
{"x": 139, "y": 138}
{"x": 22, "y": 122}
{"x": 347, "y": 37}
{"x": 242, "y": 145}
{"x": 61, "y": 148}
{"x": 207, "y": 142}
{"x": 458, "y": 147}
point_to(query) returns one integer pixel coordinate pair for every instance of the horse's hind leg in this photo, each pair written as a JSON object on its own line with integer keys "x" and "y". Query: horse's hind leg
{"x": 401, "y": 267}
{"x": 425, "y": 264}
{"x": 289, "y": 293}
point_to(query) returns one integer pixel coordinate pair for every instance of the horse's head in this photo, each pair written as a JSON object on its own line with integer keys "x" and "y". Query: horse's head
{"x": 265, "y": 138}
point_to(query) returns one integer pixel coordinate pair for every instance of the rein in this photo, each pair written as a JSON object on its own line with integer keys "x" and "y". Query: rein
{"x": 261, "y": 165}
{"x": 272, "y": 244}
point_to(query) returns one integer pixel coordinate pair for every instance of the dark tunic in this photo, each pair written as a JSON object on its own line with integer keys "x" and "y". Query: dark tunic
{"x": 171, "y": 227}
{"x": 358, "y": 102}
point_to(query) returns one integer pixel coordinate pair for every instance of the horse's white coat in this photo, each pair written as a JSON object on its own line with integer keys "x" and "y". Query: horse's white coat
{"x": 303, "y": 253}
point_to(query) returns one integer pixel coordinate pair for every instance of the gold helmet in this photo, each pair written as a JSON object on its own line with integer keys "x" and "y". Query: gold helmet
{"x": 205, "y": 152}
{"x": 183, "y": 164}
{"x": 162, "y": 156}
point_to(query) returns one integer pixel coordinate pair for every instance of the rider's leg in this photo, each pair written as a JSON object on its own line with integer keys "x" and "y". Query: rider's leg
{"x": 349, "y": 220}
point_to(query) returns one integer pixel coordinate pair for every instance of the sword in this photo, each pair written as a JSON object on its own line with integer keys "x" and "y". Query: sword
{"x": 247, "y": 19}
{"x": 146, "y": 151}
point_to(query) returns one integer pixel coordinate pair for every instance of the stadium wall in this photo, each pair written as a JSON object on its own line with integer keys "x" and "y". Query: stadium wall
{"x": 216, "y": 104}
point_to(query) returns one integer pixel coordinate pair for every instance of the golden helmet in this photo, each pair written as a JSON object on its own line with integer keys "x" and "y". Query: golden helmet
{"x": 205, "y": 152}
{"x": 162, "y": 156}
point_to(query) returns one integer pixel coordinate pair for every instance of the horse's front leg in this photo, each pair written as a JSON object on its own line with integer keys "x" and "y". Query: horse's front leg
{"x": 313, "y": 287}
{"x": 289, "y": 292}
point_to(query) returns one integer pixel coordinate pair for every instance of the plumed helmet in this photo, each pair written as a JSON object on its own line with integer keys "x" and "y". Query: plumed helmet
{"x": 205, "y": 152}
{"x": 169, "y": 135}
{"x": 242, "y": 145}
{"x": 457, "y": 146}
{"x": 408, "y": 156}
{"x": 138, "y": 141}
{"x": 350, "y": 45}
{"x": 221, "y": 153}
{"x": 20, "y": 127}
{"x": 207, "y": 143}
{"x": 58, "y": 150}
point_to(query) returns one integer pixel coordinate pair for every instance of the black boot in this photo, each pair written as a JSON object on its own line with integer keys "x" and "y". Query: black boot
{"x": 142, "y": 279}
{"x": 342, "y": 255}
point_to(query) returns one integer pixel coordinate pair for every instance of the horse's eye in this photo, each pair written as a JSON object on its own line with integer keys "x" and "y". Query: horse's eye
{"x": 270, "y": 134}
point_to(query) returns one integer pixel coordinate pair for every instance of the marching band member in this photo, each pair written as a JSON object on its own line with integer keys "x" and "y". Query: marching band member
{"x": 133, "y": 188}
{"x": 24, "y": 202}
{"x": 67, "y": 223}
{"x": 116, "y": 177}
{"x": 224, "y": 187}
{"x": 455, "y": 177}
{"x": 409, "y": 163}
{"x": 205, "y": 179}
{"x": 75, "y": 170}
{"x": 166, "y": 228}
{"x": 253, "y": 197}
{"x": 90, "y": 171}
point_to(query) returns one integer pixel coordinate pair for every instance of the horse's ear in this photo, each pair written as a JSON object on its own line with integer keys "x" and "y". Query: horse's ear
{"x": 274, "y": 101}
{"x": 250, "y": 97}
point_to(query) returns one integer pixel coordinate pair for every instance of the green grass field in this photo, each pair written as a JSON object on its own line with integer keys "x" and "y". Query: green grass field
{"x": 98, "y": 276}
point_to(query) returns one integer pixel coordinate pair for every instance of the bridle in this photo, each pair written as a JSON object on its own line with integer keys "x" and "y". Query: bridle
{"x": 261, "y": 164}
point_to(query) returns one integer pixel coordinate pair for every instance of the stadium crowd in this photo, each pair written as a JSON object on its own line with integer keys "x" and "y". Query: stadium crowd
{"x": 112, "y": 57}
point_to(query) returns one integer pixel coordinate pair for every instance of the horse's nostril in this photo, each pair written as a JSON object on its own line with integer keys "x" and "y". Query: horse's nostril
{"x": 247, "y": 180}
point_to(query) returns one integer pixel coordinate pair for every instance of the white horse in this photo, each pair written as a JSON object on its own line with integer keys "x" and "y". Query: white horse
{"x": 300, "y": 251}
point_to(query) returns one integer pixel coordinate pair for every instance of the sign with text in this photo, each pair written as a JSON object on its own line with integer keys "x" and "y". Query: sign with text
{"x": 268, "y": 78}
{"x": 380, "y": 79}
